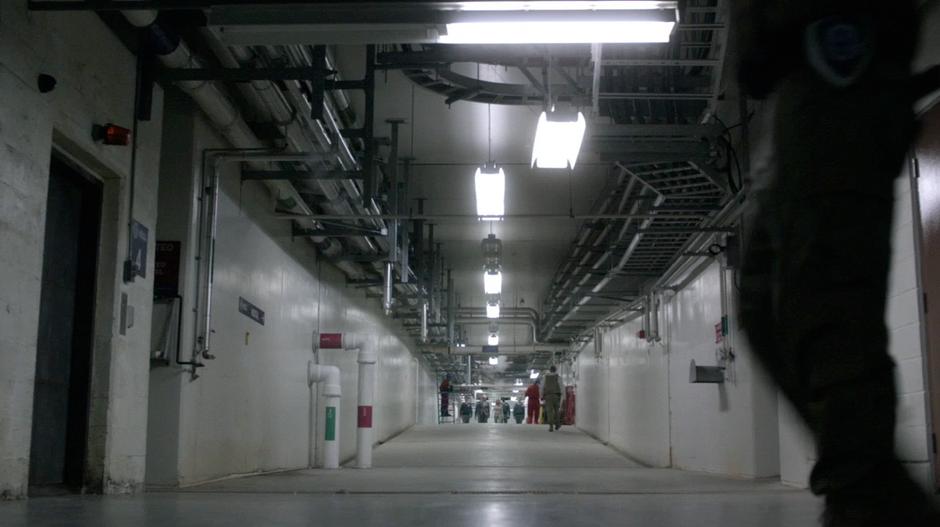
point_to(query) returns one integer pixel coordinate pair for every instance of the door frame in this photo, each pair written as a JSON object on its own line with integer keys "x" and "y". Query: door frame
{"x": 106, "y": 294}
{"x": 931, "y": 355}
{"x": 83, "y": 333}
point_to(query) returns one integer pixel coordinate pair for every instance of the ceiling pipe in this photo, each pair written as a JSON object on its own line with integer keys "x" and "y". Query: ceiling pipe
{"x": 221, "y": 111}
{"x": 227, "y": 119}
{"x": 503, "y": 321}
{"x": 566, "y": 292}
{"x": 298, "y": 128}
{"x": 686, "y": 268}
{"x": 510, "y": 349}
{"x": 268, "y": 99}
{"x": 613, "y": 272}
{"x": 528, "y": 311}
{"x": 451, "y": 309}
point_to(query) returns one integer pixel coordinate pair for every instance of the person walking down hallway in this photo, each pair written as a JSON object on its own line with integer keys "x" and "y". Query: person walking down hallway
{"x": 814, "y": 281}
{"x": 532, "y": 403}
{"x": 445, "y": 390}
{"x": 551, "y": 392}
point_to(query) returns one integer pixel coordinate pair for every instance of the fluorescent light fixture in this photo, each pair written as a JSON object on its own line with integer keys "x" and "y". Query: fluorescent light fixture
{"x": 534, "y": 375}
{"x": 559, "y": 32}
{"x": 492, "y": 310}
{"x": 562, "y": 5}
{"x": 493, "y": 340}
{"x": 518, "y": 382}
{"x": 492, "y": 282}
{"x": 558, "y": 140}
{"x": 491, "y": 192}
{"x": 515, "y": 391}
{"x": 514, "y": 399}
{"x": 494, "y": 361}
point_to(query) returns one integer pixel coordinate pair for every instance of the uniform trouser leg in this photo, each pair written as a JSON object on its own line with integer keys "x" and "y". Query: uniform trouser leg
{"x": 813, "y": 286}
{"x": 552, "y": 403}
{"x": 533, "y": 417}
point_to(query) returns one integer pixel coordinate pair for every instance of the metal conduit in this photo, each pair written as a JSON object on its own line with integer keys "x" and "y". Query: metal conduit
{"x": 599, "y": 240}
{"x": 685, "y": 266}
{"x": 227, "y": 119}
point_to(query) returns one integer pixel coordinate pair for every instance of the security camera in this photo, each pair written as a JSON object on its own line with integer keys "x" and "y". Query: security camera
{"x": 45, "y": 83}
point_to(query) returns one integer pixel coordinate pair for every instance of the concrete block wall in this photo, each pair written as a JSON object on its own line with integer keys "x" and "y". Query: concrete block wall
{"x": 95, "y": 85}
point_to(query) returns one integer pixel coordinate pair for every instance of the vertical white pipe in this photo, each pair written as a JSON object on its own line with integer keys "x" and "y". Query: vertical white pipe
{"x": 329, "y": 375}
{"x": 388, "y": 301}
{"x": 331, "y": 428}
{"x": 365, "y": 435}
{"x": 424, "y": 322}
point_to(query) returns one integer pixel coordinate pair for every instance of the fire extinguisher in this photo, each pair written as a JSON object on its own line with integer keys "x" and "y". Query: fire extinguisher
{"x": 568, "y": 417}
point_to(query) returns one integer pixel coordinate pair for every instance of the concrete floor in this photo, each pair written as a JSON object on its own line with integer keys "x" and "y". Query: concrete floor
{"x": 476, "y": 474}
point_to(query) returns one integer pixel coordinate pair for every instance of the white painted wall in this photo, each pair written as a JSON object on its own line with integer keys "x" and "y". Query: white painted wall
{"x": 728, "y": 428}
{"x": 250, "y": 410}
{"x": 623, "y": 395}
{"x": 637, "y": 396}
{"x": 739, "y": 428}
{"x": 95, "y": 85}
{"x": 591, "y": 412}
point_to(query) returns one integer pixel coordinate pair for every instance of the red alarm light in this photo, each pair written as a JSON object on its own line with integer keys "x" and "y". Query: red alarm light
{"x": 111, "y": 134}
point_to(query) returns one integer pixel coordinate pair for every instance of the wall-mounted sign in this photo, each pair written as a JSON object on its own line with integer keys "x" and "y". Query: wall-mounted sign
{"x": 365, "y": 417}
{"x": 250, "y": 310}
{"x": 166, "y": 269}
{"x": 490, "y": 349}
{"x": 331, "y": 341}
{"x": 138, "y": 258}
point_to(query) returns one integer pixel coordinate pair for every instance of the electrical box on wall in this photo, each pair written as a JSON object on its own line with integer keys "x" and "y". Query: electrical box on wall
{"x": 706, "y": 374}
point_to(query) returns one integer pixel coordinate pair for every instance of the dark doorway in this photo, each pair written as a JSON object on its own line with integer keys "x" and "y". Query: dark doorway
{"x": 928, "y": 187}
{"x": 66, "y": 331}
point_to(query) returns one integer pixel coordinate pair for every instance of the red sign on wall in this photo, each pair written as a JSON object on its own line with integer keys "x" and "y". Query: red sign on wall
{"x": 331, "y": 341}
{"x": 365, "y": 417}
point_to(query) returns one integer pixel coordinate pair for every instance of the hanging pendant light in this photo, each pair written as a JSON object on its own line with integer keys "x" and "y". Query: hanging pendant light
{"x": 558, "y": 139}
{"x": 492, "y": 282}
{"x": 490, "y": 183}
{"x": 492, "y": 311}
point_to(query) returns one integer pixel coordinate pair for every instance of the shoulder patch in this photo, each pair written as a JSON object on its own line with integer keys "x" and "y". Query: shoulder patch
{"x": 839, "y": 49}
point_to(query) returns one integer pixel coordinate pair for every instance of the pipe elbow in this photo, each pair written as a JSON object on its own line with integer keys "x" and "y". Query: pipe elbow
{"x": 367, "y": 356}
{"x": 328, "y": 375}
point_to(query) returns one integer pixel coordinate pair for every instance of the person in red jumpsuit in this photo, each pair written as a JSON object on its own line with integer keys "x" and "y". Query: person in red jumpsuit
{"x": 532, "y": 393}
{"x": 446, "y": 388}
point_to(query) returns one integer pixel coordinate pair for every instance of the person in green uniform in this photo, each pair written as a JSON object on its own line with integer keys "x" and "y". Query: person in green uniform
{"x": 814, "y": 278}
{"x": 551, "y": 392}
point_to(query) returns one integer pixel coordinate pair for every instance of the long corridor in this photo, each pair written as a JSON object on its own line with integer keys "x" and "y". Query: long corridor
{"x": 458, "y": 475}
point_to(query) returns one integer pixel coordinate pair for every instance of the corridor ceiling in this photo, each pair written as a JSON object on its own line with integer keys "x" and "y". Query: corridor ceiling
{"x": 655, "y": 172}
